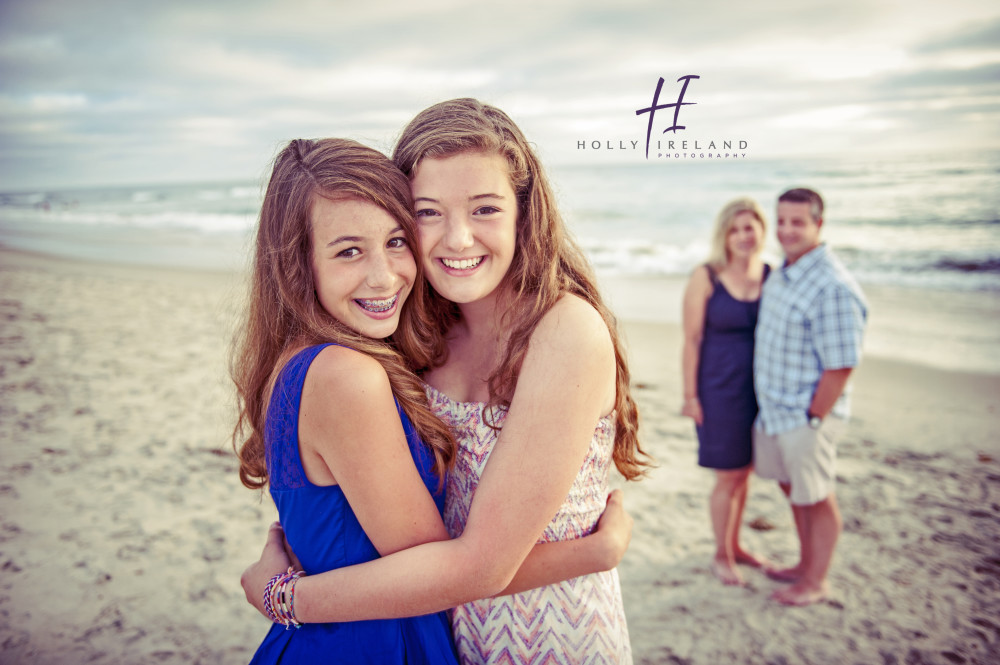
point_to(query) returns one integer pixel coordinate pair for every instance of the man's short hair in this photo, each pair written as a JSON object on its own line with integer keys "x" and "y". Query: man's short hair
{"x": 804, "y": 195}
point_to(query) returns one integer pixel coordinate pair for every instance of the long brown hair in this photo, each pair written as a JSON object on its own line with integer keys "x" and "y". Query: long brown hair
{"x": 284, "y": 314}
{"x": 547, "y": 262}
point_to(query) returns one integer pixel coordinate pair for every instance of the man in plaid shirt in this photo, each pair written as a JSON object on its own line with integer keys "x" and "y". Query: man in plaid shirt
{"x": 808, "y": 340}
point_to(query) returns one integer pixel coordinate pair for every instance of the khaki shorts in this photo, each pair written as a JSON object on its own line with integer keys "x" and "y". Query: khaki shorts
{"x": 803, "y": 458}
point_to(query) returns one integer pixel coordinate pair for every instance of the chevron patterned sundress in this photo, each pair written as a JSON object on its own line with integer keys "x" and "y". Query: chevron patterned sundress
{"x": 577, "y": 621}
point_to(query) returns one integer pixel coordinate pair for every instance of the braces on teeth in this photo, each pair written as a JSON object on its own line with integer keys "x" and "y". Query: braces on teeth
{"x": 378, "y": 305}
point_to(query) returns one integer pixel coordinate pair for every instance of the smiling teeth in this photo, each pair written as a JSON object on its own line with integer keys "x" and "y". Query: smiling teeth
{"x": 378, "y": 305}
{"x": 462, "y": 264}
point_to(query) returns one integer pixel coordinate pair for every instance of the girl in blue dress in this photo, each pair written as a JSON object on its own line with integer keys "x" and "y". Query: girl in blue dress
{"x": 331, "y": 417}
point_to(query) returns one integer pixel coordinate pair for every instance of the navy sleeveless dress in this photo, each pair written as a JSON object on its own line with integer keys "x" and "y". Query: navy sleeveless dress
{"x": 725, "y": 379}
{"x": 325, "y": 534}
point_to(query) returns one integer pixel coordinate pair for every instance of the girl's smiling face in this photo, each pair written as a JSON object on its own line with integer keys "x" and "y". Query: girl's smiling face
{"x": 466, "y": 215}
{"x": 362, "y": 266}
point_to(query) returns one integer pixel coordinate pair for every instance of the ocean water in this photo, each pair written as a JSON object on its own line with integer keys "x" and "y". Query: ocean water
{"x": 200, "y": 225}
{"x": 923, "y": 226}
{"x": 928, "y": 222}
{"x": 931, "y": 222}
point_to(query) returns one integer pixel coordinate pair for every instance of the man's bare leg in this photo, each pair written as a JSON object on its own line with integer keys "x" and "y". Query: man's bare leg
{"x": 793, "y": 573}
{"x": 823, "y": 525}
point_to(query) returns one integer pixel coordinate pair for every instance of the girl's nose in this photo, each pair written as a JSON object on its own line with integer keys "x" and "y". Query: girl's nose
{"x": 458, "y": 235}
{"x": 380, "y": 274}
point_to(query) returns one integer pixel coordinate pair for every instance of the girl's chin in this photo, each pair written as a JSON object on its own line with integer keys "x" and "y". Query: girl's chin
{"x": 374, "y": 326}
{"x": 376, "y": 332}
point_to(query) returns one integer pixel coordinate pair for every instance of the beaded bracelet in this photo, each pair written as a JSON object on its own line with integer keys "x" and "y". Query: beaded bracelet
{"x": 285, "y": 609}
{"x": 279, "y": 598}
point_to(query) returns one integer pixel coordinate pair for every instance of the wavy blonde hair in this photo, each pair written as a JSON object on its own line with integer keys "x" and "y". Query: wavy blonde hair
{"x": 718, "y": 254}
{"x": 284, "y": 314}
{"x": 547, "y": 263}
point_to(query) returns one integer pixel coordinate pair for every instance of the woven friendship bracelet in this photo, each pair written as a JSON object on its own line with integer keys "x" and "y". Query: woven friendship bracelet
{"x": 267, "y": 597}
{"x": 279, "y": 598}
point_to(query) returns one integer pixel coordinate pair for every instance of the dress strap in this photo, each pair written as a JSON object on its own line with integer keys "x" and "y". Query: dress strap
{"x": 712, "y": 274}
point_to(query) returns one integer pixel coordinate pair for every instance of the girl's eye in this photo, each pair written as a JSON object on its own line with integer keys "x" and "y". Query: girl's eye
{"x": 396, "y": 243}
{"x": 487, "y": 210}
{"x": 426, "y": 212}
{"x": 349, "y": 253}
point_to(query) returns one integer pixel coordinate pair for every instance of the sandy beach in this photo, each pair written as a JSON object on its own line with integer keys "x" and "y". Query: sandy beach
{"x": 124, "y": 527}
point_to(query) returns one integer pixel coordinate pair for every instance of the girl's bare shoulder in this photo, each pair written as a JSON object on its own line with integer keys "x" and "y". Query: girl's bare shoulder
{"x": 573, "y": 325}
{"x": 347, "y": 375}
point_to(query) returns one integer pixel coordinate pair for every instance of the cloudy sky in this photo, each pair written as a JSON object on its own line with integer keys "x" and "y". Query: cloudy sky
{"x": 103, "y": 92}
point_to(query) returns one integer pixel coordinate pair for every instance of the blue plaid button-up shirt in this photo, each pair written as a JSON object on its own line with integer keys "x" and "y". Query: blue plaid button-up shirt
{"x": 812, "y": 317}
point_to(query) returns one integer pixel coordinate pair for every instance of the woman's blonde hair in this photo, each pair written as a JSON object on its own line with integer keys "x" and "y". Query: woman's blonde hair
{"x": 284, "y": 314}
{"x": 547, "y": 263}
{"x": 718, "y": 256}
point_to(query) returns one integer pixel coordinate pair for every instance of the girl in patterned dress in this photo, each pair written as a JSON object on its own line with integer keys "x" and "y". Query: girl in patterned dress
{"x": 522, "y": 358}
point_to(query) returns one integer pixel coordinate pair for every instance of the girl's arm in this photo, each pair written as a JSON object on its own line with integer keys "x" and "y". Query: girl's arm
{"x": 350, "y": 434}
{"x": 548, "y": 563}
{"x": 566, "y": 384}
{"x": 552, "y": 562}
{"x": 350, "y": 425}
{"x": 696, "y": 295}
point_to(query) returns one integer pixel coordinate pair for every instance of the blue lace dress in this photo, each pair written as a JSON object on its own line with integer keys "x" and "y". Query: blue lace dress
{"x": 325, "y": 534}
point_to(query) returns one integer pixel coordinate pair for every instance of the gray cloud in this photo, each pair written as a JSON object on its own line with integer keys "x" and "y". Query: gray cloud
{"x": 107, "y": 91}
{"x": 984, "y": 78}
{"x": 970, "y": 36}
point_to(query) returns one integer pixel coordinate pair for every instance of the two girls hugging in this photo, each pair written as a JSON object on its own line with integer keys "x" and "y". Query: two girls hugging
{"x": 433, "y": 390}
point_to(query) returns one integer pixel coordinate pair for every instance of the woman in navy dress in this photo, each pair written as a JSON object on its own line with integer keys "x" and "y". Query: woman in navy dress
{"x": 720, "y": 313}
